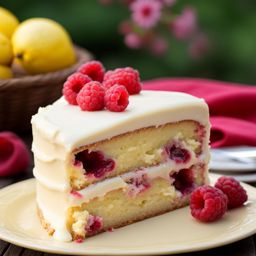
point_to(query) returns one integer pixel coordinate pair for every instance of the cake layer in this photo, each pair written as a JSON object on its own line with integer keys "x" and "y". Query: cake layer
{"x": 142, "y": 148}
{"x": 131, "y": 196}
{"x": 60, "y": 131}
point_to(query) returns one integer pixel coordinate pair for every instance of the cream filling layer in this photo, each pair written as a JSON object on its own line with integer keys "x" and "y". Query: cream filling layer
{"x": 54, "y": 204}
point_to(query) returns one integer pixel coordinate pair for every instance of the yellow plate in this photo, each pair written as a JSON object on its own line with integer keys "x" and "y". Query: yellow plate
{"x": 174, "y": 232}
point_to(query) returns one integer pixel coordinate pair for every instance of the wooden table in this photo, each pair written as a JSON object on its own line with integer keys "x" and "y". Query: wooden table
{"x": 245, "y": 247}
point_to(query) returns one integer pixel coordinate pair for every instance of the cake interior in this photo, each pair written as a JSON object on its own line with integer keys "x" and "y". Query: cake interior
{"x": 119, "y": 208}
{"x": 142, "y": 148}
{"x": 156, "y": 170}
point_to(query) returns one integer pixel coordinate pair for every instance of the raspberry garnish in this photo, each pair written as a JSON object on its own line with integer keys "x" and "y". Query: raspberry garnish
{"x": 94, "y": 69}
{"x": 127, "y": 77}
{"x": 91, "y": 96}
{"x": 208, "y": 204}
{"x": 235, "y": 192}
{"x": 73, "y": 85}
{"x": 116, "y": 98}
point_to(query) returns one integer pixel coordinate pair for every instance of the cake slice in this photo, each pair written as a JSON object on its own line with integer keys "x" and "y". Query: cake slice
{"x": 101, "y": 170}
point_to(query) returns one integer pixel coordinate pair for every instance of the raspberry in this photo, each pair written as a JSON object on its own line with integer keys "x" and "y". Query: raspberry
{"x": 14, "y": 155}
{"x": 94, "y": 69}
{"x": 208, "y": 204}
{"x": 73, "y": 85}
{"x": 94, "y": 225}
{"x": 95, "y": 163}
{"x": 91, "y": 96}
{"x": 127, "y": 77}
{"x": 178, "y": 154}
{"x": 234, "y": 191}
{"x": 116, "y": 98}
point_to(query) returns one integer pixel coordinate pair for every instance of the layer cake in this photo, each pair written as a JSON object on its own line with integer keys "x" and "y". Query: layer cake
{"x": 97, "y": 171}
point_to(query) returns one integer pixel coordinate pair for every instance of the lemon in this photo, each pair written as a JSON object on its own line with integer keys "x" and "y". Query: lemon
{"x": 42, "y": 45}
{"x": 5, "y": 72}
{"x": 5, "y": 50}
{"x": 8, "y": 22}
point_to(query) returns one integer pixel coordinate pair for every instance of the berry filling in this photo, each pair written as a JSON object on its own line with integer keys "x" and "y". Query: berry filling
{"x": 94, "y": 225}
{"x": 183, "y": 180}
{"x": 76, "y": 194}
{"x": 94, "y": 163}
{"x": 178, "y": 154}
{"x": 138, "y": 183}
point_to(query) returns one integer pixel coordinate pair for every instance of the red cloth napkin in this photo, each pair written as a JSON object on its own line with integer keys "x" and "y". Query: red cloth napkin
{"x": 232, "y": 107}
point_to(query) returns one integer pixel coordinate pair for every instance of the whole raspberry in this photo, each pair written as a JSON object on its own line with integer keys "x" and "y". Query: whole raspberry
{"x": 234, "y": 191}
{"x": 14, "y": 155}
{"x": 73, "y": 85}
{"x": 116, "y": 98}
{"x": 208, "y": 204}
{"x": 91, "y": 96}
{"x": 94, "y": 69}
{"x": 127, "y": 77}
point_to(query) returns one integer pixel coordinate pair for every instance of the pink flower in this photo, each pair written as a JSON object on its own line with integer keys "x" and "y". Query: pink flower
{"x": 199, "y": 46}
{"x": 146, "y": 13}
{"x": 159, "y": 46}
{"x": 132, "y": 40}
{"x": 185, "y": 24}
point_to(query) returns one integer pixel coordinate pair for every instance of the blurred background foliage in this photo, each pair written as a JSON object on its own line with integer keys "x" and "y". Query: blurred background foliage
{"x": 230, "y": 26}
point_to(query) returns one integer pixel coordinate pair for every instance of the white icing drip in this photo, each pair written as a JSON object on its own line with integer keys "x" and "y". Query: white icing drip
{"x": 51, "y": 184}
{"x": 41, "y": 155}
{"x": 57, "y": 221}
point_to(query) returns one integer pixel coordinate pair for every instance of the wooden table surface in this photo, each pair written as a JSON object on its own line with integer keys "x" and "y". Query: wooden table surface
{"x": 245, "y": 247}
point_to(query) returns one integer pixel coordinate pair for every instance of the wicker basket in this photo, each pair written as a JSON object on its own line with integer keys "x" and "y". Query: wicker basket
{"x": 21, "y": 97}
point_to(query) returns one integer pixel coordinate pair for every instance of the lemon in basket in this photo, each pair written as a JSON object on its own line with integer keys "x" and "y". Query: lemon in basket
{"x": 42, "y": 45}
{"x": 5, "y": 72}
{"x": 8, "y": 22}
{"x": 5, "y": 50}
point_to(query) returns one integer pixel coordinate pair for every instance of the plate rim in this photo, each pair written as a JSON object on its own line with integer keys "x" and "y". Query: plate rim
{"x": 14, "y": 239}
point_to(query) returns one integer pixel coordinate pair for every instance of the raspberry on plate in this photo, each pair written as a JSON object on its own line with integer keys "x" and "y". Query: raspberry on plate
{"x": 116, "y": 98}
{"x": 94, "y": 69}
{"x": 235, "y": 192}
{"x": 127, "y": 77}
{"x": 91, "y": 96}
{"x": 73, "y": 85}
{"x": 208, "y": 204}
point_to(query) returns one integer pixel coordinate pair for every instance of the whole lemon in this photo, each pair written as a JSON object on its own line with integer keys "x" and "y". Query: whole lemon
{"x": 5, "y": 50}
{"x": 42, "y": 45}
{"x": 8, "y": 22}
{"x": 5, "y": 72}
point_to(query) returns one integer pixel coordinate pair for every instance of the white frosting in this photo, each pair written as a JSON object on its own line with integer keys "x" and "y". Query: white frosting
{"x": 67, "y": 125}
